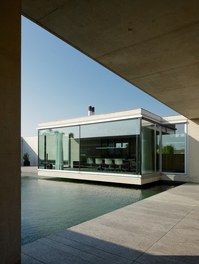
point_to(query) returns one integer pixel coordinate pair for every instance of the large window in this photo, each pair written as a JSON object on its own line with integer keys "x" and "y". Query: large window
{"x": 151, "y": 147}
{"x": 111, "y": 146}
{"x": 158, "y": 143}
{"x": 148, "y": 147}
{"x": 103, "y": 147}
{"x": 59, "y": 148}
{"x": 114, "y": 147}
{"x": 173, "y": 148}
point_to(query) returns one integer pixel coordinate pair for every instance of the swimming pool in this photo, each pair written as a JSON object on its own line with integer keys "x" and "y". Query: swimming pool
{"x": 49, "y": 206}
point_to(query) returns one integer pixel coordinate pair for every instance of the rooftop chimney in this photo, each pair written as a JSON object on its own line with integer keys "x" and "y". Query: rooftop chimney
{"x": 91, "y": 110}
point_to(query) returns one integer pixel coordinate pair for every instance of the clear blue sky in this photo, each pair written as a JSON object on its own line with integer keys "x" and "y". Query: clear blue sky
{"x": 59, "y": 82}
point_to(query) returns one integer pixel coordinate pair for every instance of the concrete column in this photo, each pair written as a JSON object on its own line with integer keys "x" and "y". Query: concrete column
{"x": 193, "y": 150}
{"x": 10, "y": 56}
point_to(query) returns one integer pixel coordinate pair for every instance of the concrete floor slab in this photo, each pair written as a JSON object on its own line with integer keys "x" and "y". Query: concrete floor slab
{"x": 90, "y": 249}
{"x": 169, "y": 207}
{"x": 29, "y": 171}
{"x": 49, "y": 254}
{"x": 89, "y": 257}
{"x": 194, "y": 214}
{"x": 153, "y": 259}
{"x": 104, "y": 246}
{"x": 29, "y": 260}
{"x": 136, "y": 228}
{"x": 147, "y": 211}
{"x": 189, "y": 223}
{"x": 176, "y": 198}
{"x": 173, "y": 248}
{"x": 130, "y": 237}
{"x": 181, "y": 235}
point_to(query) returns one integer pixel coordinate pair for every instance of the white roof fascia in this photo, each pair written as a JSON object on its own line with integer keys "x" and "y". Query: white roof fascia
{"x": 92, "y": 119}
{"x": 122, "y": 115}
{"x": 174, "y": 119}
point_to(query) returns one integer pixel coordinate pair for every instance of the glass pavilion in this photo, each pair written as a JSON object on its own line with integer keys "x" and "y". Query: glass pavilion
{"x": 131, "y": 143}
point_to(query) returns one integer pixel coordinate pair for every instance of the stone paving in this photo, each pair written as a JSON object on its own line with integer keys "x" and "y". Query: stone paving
{"x": 29, "y": 171}
{"x": 161, "y": 229}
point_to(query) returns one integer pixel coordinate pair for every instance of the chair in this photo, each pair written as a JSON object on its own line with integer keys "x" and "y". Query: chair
{"x": 109, "y": 163}
{"x": 118, "y": 163}
{"x": 98, "y": 161}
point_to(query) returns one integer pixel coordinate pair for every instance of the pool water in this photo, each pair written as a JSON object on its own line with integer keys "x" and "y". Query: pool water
{"x": 49, "y": 206}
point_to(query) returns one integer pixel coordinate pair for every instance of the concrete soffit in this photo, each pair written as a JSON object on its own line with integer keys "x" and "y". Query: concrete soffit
{"x": 152, "y": 44}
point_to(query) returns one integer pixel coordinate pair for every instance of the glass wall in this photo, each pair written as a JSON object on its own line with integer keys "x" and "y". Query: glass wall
{"x": 59, "y": 148}
{"x": 151, "y": 147}
{"x": 173, "y": 148}
{"x": 111, "y": 146}
{"x": 114, "y": 147}
{"x": 158, "y": 147}
{"x": 103, "y": 147}
{"x": 148, "y": 147}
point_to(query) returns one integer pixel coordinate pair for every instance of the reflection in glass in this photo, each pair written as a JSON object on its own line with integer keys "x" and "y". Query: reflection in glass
{"x": 59, "y": 148}
{"x": 114, "y": 147}
{"x": 110, "y": 147}
{"x": 173, "y": 148}
{"x": 148, "y": 147}
{"x": 158, "y": 146}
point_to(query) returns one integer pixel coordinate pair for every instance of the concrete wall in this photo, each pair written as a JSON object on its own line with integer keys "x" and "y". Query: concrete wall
{"x": 10, "y": 58}
{"x": 193, "y": 150}
{"x": 30, "y": 145}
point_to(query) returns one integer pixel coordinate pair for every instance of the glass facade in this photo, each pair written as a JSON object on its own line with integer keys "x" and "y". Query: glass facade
{"x": 103, "y": 147}
{"x": 173, "y": 148}
{"x": 148, "y": 147}
{"x": 59, "y": 148}
{"x": 132, "y": 146}
{"x": 158, "y": 134}
{"x": 151, "y": 147}
{"x": 111, "y": 146}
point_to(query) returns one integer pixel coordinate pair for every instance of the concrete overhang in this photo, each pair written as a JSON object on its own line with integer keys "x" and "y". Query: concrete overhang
{"x": 152, "y": 44}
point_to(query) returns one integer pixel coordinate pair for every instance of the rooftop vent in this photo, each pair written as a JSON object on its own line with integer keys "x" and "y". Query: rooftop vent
{"x": 91, "y": 110}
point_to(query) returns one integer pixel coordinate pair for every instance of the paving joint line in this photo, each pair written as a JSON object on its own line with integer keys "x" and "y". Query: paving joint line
{"x": 165, "y": 234}
{"x": 117, "y": 255}
{"x": 32, "y": 257}
{"x": 67, "y": 253}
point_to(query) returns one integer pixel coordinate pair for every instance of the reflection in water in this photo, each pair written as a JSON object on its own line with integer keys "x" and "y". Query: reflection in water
{"x": 49, "y": 206}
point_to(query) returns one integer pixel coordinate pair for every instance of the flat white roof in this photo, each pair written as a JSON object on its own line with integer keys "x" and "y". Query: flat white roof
{"x": 121, "y": 115}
